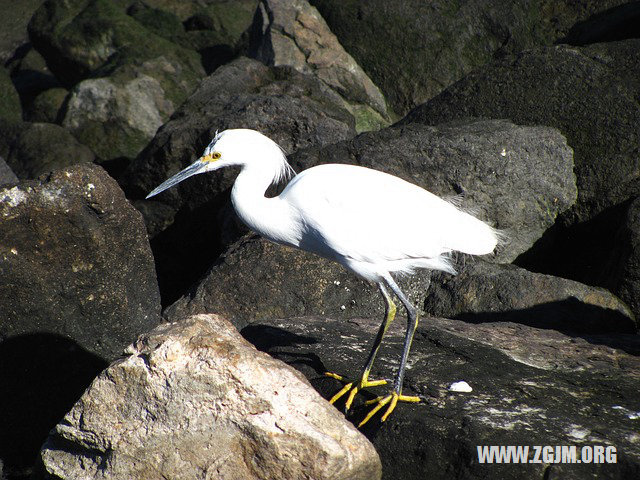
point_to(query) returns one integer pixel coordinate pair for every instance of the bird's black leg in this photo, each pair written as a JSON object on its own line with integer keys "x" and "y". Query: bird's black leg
{"x": 390, "y": 313}
{"x": 396, "y": 395}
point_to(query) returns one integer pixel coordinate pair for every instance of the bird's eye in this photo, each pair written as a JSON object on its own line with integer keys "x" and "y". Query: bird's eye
{"x": 216, "y": 155}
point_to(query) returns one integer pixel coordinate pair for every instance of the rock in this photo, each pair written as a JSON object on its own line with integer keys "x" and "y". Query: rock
{"x": 588, "y": 93}
{"x": 194, "y": 400}
{"x": 187, "y": 223}
{"x": 39, "y": 148}
{"x": 47, "y": 106}
{"x": 70, "y": 36}
{"x": 116, "y": 117}
{"x": 7, "y": 177}
{"x": 30, "y": 75}
{"x": 256, "y": 279}
{"x": 448, "y": 40}
{"x": 13, "y": 32}
{"x": 622, "y": 274}
{"x": 75, "y": 261}
{"x": 10, "y": 108}
{"x": 530, "y": 387}
{"x": 484, "y": 292}
{"x": 294, "y": 34}
{"x": 516, "y": 178}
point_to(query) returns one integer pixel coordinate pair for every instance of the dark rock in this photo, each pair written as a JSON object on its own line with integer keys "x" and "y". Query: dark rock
{"x": 71, "y": 37}
{"x": 618, "y": 23}
{"x": 294, "y": 34}
{"x": 47, "y": 106}
{"x": 517, "y": 178}
{"x": 10, "y": 108}
{"x": 30, "y": 75}
{"x": 75, "y": 261}
{"x": 160, "y": 22}
{"x": 622, "y": 274}
{"x": 13, "y": 31}
{"x": 211, "y": 407}
{"x": 588, "y": 93}
{"x": 185, "y": 223}
{"x": 7, "y": 177}
{"x": 447, "y": 40}
{"x": 39, "y": 148}
{"x": 530, "y": 387}
{"x": 484, "y": 292}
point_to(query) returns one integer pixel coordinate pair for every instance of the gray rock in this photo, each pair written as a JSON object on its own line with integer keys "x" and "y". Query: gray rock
{"x": 75, "y": 261}
{"x": 39, "y": 148}
{"x": 294, "y": 34}
{"x": 13, "y": 31}
{"x": 516, "y": 178}
{"x": 115, "y": 116}
{"x": 530, "y": 387}
{"x": 194, "y": 400}
{"x": 7, "y": 177}
{"x": 414, "y": 49}
{"x": 191, "y": 224}
{"x": 484, "y": 292}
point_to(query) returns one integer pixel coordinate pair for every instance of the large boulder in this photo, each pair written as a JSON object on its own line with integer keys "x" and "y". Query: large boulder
{"x": 193, "y": 399}
{"x": 294, "y": 34}
{"x": 191, "y": 224}
{"x": 75, "y": 261}
{"x": 77, "y": 284}
{"x": 414, "y": 49}
{"x": 515, "y": 177}
{"x": 529, "y": 387}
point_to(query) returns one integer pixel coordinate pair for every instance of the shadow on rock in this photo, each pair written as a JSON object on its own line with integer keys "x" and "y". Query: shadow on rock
{"x": 42, "y": 375}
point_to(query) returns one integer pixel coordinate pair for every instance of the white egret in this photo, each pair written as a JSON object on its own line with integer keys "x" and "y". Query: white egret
{"x": 370, "y": 222}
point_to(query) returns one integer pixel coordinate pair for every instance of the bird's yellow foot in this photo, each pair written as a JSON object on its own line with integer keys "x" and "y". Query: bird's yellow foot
{"x": 352, "y": 387}
{"x": 392, "y": 400}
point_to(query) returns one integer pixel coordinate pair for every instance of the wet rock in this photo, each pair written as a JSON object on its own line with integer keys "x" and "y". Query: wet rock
{"x": 10, "y": 108}
{"x": 187, "y": 223}
{"x": 75, "y": 261}
{"x": 484, "y": 292}
{"x": 516, "y": 178}
{"x": 530, "y": 387}
{"x": 194, "y": 400}
{"x": 294, "y": 34}
{"x": 39, "y": 148}
{"x": 448, "y": 40}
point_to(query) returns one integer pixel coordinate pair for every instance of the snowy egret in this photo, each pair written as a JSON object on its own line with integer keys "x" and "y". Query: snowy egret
{"x": 347, "y": 214}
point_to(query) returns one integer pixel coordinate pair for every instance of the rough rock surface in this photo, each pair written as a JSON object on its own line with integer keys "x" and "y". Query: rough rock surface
{"x": 13, "y": 31}
{"x": 588, "y": 93}
{"x": 117, "y": 117}
{"x": 194, "y": 400}
{"x": 191, "y": 224}
{"x": 484, "y": 292}
{"x": 35, "y": 149}
{"x": 75, "y": 261}
{"x": 414, "y": 49}
{"x": 516, "y": 178}
{"x": 530, "y": 387}
{"x": 10, "y": 108}
{"x": 7, "y": 177}
{"x": 256, "y": 279}
{"x": 294, "y": 34}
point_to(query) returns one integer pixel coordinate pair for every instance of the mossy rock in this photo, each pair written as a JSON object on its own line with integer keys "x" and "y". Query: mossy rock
{"x": 10, "y": 108}
{"x": 47, "y": 106}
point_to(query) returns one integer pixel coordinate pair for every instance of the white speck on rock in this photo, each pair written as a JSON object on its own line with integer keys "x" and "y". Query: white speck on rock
{"x": 342, "y": 307}
{"x": 14, "y": 251}
{"x": 578, "y": 432}
{"x": 13, "y": 196}
{"x": 461, "y": 387}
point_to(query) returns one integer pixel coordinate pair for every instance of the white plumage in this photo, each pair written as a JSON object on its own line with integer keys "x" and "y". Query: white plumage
{"x": 371, "y": 222}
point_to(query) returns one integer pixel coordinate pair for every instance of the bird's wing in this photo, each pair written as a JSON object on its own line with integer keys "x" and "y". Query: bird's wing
{"x": 367, "y": 215}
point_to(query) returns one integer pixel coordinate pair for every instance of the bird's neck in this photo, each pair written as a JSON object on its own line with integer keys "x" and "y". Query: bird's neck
{"x": 269, "y": 217}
